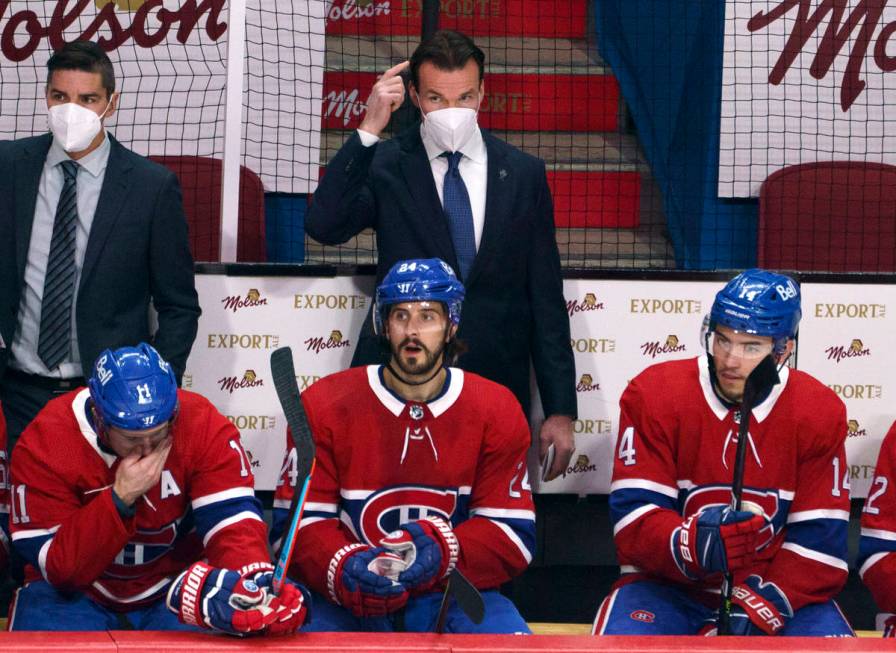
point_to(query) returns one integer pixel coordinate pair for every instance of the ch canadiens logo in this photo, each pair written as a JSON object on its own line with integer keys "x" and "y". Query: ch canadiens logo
{"x": 588, "y": 303}
{"x": 231, "y": 384}
{"x": 856, "y": 349}
{"x": 587, "y": 384}
{"x": 671, "y": 346}
{"x": 643, "y": 615}
{"x": 853, "y": 430}
{"x": 252, "y": 299}
{"x": 335, "y": 341}
{"x": 387, "y": 510}
{"x": 150, "y": 24}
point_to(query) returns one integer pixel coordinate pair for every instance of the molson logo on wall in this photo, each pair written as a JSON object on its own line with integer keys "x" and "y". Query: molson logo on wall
{"x": 671, "y": 346}
{"x": 243, "y": 341}
{"x": 665, "y": 306}
{"x": 855, "y": 350}
{"x": 853, "y": 430}
{"x": 253, "y": 422}
{"x": 231, "y": 383}
{"x": 335, "y": 341}
{"x": 253, "y": 461}
{"x": 252, "y": 299}
{"x": 582, "y": 465}
{"x": 587, "y": 384}
{"x": 857, "y": 390}
{"x": 332, "y": 302}
{"x": 588, "y": 303}
{"x": 592, "y": 426}
{"x": 855, "y": 311}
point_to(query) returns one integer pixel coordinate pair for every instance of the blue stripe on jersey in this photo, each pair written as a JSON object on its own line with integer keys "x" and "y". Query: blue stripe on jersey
{"x": 823, "y": 535}
{"x": 868, "y": 546}
{"x": 209, "y": 516}
{"x": 524, "y": 529}
{"x": 29, "y": 548}
{"x": 624, "y": 501}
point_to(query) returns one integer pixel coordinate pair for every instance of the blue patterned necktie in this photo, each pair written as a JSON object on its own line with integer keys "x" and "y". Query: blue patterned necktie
{"x": 54, "y": 344}
{"x": 456, "y": 202}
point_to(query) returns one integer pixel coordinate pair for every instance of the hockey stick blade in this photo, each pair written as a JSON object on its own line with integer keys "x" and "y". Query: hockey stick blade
{"x": 759, "y": 382}
{"x": 468, "y": 599}
{"x": 284, "y": 375}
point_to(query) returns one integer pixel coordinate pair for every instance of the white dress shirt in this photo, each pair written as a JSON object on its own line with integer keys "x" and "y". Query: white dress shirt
{"x": 473, "y": 170}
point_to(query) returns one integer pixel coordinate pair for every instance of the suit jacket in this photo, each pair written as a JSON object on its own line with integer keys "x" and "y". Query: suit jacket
{"x": 514, "y": 306}
{"x": 137, "y": 252}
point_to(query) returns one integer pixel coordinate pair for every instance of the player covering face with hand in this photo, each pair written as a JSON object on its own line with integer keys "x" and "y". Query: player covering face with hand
{"x": 673, "y": 471}
{"x": 420, "y": 469}
{"x": 136, "y": 509}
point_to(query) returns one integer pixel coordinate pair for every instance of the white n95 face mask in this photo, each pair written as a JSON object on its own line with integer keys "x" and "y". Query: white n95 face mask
{"x": 74, "y": 126}
{"x": 450, "y": 129}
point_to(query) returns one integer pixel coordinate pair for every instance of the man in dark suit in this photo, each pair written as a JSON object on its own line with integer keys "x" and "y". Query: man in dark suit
{"x": 90, "y": 235}
{"x": 444, "y": 189}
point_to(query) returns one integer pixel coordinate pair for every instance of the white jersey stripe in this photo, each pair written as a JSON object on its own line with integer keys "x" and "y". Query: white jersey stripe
{"x": 36, "y": 532}
{"x": 878, "y": 533}
{"x": 513, "y": 537}
{"x": 644, "y": 484}
{"x": 224, "y": 523}
{"x": 319, "y": 506}
{"x": 42, "y": 558}
{"x": 224, "y": 495}
{"x": 871, "y": 561}
{"x": 632, "y": 516}
{"x": 148, "y": 592}
{"x": 500, "y": 513}
{"x": 808, "y": 515}
{"x": 817, "y": 556}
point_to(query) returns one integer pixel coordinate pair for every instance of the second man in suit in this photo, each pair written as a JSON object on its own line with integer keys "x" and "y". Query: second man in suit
{"x": 445, "y": 189}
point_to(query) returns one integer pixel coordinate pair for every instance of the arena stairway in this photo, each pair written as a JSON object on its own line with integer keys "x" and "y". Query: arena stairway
{"x": 549, "y": 93}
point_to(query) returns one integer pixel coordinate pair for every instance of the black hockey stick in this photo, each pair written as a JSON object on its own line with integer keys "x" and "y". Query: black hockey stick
{"x": 465, "y": 595}
{"x": 284, "y": 375}
{"x": 758, "y": 384}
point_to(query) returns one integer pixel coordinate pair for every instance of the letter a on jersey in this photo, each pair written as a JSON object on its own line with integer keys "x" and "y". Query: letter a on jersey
{"x": 169, "y": 486}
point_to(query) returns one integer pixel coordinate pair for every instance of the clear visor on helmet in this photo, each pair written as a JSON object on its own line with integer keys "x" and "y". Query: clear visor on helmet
{"x": 718, "y": 344}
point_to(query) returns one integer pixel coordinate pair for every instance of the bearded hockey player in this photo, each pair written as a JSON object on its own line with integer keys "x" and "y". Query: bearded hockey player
{"x": 421, "y": 468}
{"x": 674, "y": 532}
{"x": 877, "y": 545}
{"x": 135, "y": 508}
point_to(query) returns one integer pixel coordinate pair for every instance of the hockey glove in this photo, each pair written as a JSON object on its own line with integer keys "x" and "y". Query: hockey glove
{"x": 291, "y": 604}
{"x": 718, "y": 539}
{"x": 758, "y": 608}
{"x": 353, "y": 585}
{"x": 429, "y": 548}
{"x": 221, "y": 599}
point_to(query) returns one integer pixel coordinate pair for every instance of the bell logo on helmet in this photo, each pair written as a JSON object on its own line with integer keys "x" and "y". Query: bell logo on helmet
{"x": 101, "y": 372}
{"x": 786, "y": 292}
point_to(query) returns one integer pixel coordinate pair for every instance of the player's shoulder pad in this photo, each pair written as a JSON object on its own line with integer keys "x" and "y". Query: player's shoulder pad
{"x": 823, "y": 413}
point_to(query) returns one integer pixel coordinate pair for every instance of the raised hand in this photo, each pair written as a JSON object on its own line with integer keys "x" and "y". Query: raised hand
{"x": 385, "y": 97}
{"x": 137, "y": 473}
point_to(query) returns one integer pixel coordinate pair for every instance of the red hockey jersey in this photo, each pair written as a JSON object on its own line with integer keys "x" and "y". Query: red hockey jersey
{"x": 383, "y": 461}
{"x": 65, "y": 524}
{"x": 675, "y": 455}
{"x": 877, "y": 545}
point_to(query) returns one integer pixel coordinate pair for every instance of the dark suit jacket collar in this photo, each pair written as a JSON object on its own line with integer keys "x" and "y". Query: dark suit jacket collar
{"x": 108, "y": 208}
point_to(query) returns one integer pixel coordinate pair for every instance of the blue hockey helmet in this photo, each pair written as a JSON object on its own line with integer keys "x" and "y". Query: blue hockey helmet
{"x": 759, "y": 302}
{"x": 418, "y": 280}
{"x": 132, "y": 388}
